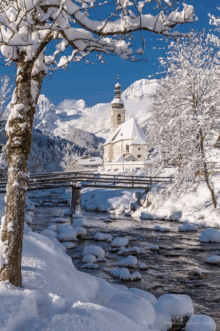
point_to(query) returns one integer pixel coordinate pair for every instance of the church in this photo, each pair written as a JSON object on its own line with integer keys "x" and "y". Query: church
{"x": 126, "y": 147}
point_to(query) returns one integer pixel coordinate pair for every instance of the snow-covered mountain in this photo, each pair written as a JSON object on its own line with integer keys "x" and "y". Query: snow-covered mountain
{"x": 62, "y": 120}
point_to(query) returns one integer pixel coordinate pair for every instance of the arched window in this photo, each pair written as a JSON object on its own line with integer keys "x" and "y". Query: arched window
{"x": 119, "y": 119}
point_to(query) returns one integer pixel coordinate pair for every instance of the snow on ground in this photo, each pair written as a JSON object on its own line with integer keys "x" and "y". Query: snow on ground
{"x": 104, "y": 200}
{"x": 194, "y": 207}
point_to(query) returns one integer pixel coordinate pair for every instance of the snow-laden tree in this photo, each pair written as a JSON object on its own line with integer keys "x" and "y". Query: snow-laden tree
{"x": 70, "y": 159}
{"x": 5, "y": 90}
{"x": 186, "y": 112}
{"x": 38, "y": 35}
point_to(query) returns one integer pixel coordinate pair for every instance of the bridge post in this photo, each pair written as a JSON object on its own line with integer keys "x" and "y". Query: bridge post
{"x": 75, "y": 198}
{"x": 132, "y": 181}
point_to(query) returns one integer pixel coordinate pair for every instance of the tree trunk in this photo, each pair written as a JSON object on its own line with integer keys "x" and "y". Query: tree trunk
{"x": 206, "y": 174}
{"x": 19, "y": 133}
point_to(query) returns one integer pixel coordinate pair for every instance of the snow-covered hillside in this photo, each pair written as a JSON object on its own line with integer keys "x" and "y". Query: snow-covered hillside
{"x": 70, "y": 114}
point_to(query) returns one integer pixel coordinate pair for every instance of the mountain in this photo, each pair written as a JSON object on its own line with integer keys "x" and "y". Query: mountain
{"x": 63, "y": 120}
{"x": 48, "y": 151}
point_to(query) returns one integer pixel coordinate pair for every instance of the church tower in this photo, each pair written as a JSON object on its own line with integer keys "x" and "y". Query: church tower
{"x": 117, "y": 111}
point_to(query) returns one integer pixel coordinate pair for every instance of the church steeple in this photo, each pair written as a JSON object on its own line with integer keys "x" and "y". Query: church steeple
{"x": 118, "y": 111}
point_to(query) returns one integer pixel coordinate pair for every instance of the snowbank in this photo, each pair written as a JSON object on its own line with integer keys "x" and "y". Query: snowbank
{"x": 104, "y": 200}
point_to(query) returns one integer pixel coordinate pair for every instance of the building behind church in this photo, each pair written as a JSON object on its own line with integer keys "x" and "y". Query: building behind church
{"x": 126, "y": 147}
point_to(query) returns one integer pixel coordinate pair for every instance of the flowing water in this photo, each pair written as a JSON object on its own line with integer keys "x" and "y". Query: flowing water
{"x": 172, "y": 269}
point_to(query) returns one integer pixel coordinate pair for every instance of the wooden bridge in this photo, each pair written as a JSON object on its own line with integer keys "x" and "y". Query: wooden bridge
{"x": 88, "y": 179}
{"x": 76, "y": 180}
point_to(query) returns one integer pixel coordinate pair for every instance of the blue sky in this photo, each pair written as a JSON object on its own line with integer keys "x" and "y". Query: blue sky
{"x": 95, "y": 83}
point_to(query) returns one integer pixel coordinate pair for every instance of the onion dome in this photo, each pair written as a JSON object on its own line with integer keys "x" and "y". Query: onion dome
{"x": 117, "y": 102}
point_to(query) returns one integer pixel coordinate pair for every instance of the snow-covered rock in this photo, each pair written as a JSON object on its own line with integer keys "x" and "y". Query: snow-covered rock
{"x": 103, "y": 236}
{"x": 79, "y": 220}
{"x": 160, "y": 228}
{"x": 93, "y": 250}
{"x": 143, "y": 294}
{"x": 188, "y": 227}
{"x": 138, "y": 309}
{"x": 177, "y": 305}
{"x": 52, "y": 227}
{"x": 101, "y": 259}
{"x": 64, "y": 227}
{"x": 210, "y": 235}
{"x": 89, "y": 259}
{"x": 131, "y": 250}
{"x": 142, "y": 213}
{"x": 214, "y": 259}
{"x": 154, "y": 247}
{"x": 67, "y": 235}
{"x": 142, "y": 266}
{"x": 68, "y": 244}
{"x": 119, "y": 241}
{"x": 81, "y": 232}
{"x": 163, "y": 321}
{"x": 124, "y": 274}
{"x": 50, "y": 233}
{"x": 129, "y": 261}
{"x": 200, "y": 323}
{"x": 90, "y": 266}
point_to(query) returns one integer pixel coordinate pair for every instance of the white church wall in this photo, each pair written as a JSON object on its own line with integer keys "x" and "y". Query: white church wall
{"x": 119, "y": 166}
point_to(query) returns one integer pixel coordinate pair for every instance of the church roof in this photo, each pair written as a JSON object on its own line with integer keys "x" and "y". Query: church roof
{"x": 128, "y": 130}
{"x": 138, "y": 141}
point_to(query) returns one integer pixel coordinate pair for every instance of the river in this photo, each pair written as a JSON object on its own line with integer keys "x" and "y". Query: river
{"x": 178, "y": 267}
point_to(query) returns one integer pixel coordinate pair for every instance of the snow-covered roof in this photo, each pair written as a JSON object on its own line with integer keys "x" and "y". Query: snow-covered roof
{"x": 118, "y": 159}
{"x": 117, "y": 101}
{"x": 96, "y": 161}
{"x": 130, "y": 158}
{"x": 138, "y": 141}
{"x": 128, "y": 130}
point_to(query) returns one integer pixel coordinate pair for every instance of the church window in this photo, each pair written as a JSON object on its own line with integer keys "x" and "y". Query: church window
{"x": 138, "y": 155}
{"x": 139, "y": 148}
{"x": 119, "y": 119}
{"x": 127, "y": 148}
